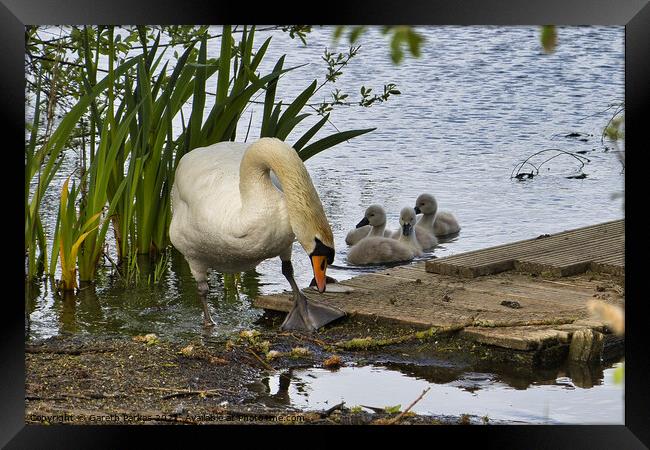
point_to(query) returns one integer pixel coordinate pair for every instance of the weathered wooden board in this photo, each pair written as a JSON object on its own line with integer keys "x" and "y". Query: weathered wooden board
{"x": 598, "y": 248}
{"x": 547, "y": 310}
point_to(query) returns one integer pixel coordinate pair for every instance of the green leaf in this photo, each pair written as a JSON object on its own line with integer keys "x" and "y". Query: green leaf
{"x": 338, "y": 32}
{"x": 300, "y": 143}
{"x": 284, "y": 128}
{"x": 392, "y": 409}
{"x": 295, "y": 107}
{"x": 330, "y": 141}
{"x": 259, "y": 55}
{"x": 356, "y": 33}
{"x": 548, "y": 38}
{"x": 269, "y": 100}
{"x": 224, "y": 65}
{"x": 619, "y": 374}
{"x": 198, "y": 100}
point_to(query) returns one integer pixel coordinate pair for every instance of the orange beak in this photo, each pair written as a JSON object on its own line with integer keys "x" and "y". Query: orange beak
{"x": 319, "y": 264}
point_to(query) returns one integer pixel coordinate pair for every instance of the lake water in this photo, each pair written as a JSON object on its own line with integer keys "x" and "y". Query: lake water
{"x": 476, "y": 103}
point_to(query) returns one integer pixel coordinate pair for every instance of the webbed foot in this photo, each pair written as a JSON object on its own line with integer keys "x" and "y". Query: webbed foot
{"x": 309, "y": 315}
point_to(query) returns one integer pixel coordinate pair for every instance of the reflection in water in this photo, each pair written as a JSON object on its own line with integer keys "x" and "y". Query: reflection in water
{"x": 281, "y": 395}
{"x": 453, "y": 392}
{"x": 167, "y": 309}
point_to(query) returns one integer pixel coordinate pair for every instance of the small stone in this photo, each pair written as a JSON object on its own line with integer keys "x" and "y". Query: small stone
{"x": 179, "y": 410}
{"x": 511, "y": 304}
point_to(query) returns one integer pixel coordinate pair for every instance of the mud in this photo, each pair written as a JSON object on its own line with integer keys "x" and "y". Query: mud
{"x": 76, "y": 380}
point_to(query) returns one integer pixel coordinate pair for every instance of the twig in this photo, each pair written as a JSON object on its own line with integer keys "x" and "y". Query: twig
{"x": 328, "y": 412}
{"x": 188, "y": 393}
{"x": 66, "y": 351}
{"x": 153, "y": 388}
{"x": 581, "y": 159}
{"x": 399, "y": 417}
{"x": 264, "y": 363}
{"x": 92, "y": 396}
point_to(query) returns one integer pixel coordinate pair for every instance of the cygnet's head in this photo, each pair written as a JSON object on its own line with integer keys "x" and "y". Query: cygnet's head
{"x": 374, "y": 215}
{"x": 426, "y": 204}
{"x": 407, "y": 220}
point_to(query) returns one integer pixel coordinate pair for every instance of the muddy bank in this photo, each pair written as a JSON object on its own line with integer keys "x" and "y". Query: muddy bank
{"x": 145, "y": 380}
{"x": 80, "y": 380}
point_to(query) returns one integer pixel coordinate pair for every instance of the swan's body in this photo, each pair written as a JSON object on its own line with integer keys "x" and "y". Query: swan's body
{"x": 355, "y": 235}
{"x": 425, "y": 238}
{"x": 229, "y": 216}
{"x": 208, "y": 213}
{"x": 380, "y": 250}
{"x": 445, "y": 224}
{"x": 439, "y": 223}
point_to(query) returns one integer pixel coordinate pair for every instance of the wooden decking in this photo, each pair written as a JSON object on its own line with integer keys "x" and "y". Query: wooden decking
{"x": 599, "y": 248}
{"x": 522, "y": 296}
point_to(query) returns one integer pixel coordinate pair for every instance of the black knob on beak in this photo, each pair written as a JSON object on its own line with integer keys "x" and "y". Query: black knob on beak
{"x": 417, "y": 210}
{"x": 363, "y": 222}
{"x": 406, "y": 229}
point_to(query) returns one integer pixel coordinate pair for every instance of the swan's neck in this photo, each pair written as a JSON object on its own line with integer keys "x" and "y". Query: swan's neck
{"x": 378, "y": 230}
{"x": 304, "y": 207}
{"x": 427, "y": 220}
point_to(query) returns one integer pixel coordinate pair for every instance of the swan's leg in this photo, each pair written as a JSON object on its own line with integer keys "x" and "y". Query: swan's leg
{"x": 201, "y": 276}
{"x": 306, "y": 315}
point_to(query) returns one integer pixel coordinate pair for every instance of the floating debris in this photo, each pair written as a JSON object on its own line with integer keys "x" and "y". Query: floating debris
{"x": 524, "y": 175}
{"x": 578, "y": 177}
{"x": 300, "y": 352}
{"x": 333, "y": 362}
{"x": 149, "y": 339}
{"x": 187, "y": 351}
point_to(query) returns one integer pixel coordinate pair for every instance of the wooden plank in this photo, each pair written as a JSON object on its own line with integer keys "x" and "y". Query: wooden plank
{"x": 563, "y": 254}
{"x": 561, "y": 239}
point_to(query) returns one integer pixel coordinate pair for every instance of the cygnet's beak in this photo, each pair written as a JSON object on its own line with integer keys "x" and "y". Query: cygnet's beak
{"x": 319, "y": 264}
{"x": 417, "y": 210}
{"x": 363, "y": 222}
{"x": 406, "y": 229}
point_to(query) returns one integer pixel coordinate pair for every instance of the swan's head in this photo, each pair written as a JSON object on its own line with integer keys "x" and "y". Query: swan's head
{"x": 374, "y": 216}
{"x": 407, "y": 219}
{"x": 314, "y": 234}
{"x": 426, "y": 204}
{"x": 320, "y": 257}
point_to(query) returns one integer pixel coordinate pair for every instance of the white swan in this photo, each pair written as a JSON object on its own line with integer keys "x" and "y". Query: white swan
{"x": 372, "y": 224}
{"x": 380, "y": 250}
{"x": 440, "y": 223}
{"x": 229, "y": 216}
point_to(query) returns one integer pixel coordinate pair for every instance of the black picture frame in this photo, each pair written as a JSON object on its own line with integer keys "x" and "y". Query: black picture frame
{"x": 633, "y": 14}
